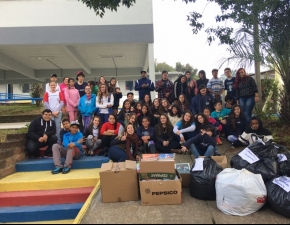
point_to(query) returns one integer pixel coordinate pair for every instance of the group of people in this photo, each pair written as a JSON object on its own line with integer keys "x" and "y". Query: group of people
{"x": 187, "y": 115}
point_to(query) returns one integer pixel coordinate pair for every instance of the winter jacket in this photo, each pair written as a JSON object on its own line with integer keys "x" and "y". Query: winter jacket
{"x": 163, "y": 87}
{"x": 201, "y": 142}
{"x": 87, "y": 106}
{"x": 199, "y": 102}
{"x": 144, "y": 91}
{"x": 73, "y": 138}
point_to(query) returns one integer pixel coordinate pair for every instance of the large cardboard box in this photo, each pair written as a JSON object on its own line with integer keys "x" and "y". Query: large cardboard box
{"x": 220, "y": 160}
{"x": 160, "y": 192}
{"x": 119, "y": 182}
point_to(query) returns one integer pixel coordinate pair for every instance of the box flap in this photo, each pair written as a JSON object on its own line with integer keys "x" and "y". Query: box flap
{"x": 106, "y": 167}
{"x": 110, "y": 166}
{"x": 157, "y": 166}
{"x": 130, "y": 165}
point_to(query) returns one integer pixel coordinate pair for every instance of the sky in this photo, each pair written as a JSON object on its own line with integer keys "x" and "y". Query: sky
{"x": 175, "y": 42}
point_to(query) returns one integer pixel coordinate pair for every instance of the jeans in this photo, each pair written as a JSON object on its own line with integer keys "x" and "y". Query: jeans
{"x": 57, "y": 121}
{"x": 69, "y": 154}
{"x": 167, "y": 149}
{"x": 247, "y": 104}
{"x": 186, "y": 136}
{"x": 232, "y": 138}
{"x": 116, "y": 154}
{"x": 197, "y": 152}
{"x": 104, "y": 117}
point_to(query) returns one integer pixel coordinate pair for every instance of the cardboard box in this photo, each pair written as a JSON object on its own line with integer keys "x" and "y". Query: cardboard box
{"x": 184, "y": 171}
{"x": 119, "y": 182}
{"x": 160, "y": 192}
{"x": 220, "y": 160}
{"x": 157, "y": 170}
{"x": 185, "y": 179}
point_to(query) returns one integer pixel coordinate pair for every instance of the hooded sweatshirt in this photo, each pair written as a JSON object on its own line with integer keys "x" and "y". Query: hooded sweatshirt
{"x": 38, "y": 127}
{"x": 179, "y": 88}
{"x": 250, "y": 135}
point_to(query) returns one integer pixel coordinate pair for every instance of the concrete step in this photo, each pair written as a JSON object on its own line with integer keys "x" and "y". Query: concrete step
{"x": 44, "y": 180}
{"x": 49, "y": 197}
{"x": 39, "y": 213}
{"x": 46, "y": 222}
{"x": 45, "y": 164}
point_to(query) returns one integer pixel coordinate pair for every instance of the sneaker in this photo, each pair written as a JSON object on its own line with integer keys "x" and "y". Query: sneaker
{"x": 57, "y": 170}
{"x": 65, "y": 170}
{"x": 218, "y": 141}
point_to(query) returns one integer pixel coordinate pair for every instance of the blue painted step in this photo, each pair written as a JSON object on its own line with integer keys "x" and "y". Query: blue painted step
{"x": 43, "y": 164}
{"x": 39, "y": 213}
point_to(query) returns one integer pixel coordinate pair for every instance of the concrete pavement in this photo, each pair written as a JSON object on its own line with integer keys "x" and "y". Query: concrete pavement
{"x": 13, "y": 125}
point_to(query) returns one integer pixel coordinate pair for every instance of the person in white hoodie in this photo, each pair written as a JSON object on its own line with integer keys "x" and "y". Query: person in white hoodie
{"x": 104, "y": 102}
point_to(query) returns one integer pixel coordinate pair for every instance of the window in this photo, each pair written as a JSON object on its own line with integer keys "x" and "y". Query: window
{"x": 25, "y": 88}
{"x": 129, "y": 85}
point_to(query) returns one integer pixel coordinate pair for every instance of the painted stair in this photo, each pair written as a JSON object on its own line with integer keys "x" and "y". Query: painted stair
{"x": 38, "y": 196}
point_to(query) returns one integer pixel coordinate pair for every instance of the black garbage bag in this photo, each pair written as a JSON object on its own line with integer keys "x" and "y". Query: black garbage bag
{"x": 202, "y": 183}
{"x": 267, "y": 166}
{"x": 278, "y": 199}
{"x": 284, "y": 166}
{"x": 281, "y": 149}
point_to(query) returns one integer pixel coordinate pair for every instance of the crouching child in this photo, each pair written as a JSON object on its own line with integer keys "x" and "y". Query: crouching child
{"x": 71, "y": 149}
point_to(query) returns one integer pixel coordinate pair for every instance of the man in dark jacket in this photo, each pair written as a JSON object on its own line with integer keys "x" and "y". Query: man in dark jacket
{"x": 202, "y": 79}
{"x": 41, "y": 132}
{"x": 144, "y": 86}
{"x": 200, "y": 101}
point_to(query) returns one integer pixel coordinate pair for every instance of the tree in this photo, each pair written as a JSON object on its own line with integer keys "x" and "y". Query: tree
{"x": 99, "y": 6}
{"x": 183, "y": 68}
{"x": 159, "y": 67}
{"x": 36, "y": 91}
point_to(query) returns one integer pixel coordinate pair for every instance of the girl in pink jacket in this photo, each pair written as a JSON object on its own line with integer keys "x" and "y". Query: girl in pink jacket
{"x": 72, "y": 97}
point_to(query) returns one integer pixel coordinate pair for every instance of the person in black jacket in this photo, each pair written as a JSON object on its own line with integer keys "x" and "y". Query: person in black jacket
{"x": 41, "y": 132}
{"x": 146, "y": 135}
{"x": 202, "y": 79}
{"x": 203, "y": 144}
{"x": 180, "y": 86}
{"x": 200, "y": 101}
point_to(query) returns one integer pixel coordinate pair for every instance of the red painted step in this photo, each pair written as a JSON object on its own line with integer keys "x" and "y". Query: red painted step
{"x": 33, "y": 198}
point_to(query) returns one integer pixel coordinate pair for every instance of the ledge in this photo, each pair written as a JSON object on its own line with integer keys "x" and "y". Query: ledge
{"x": 18, "y": 118}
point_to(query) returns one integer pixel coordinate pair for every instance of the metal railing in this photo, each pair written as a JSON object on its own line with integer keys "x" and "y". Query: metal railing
{"x": 8, "y": 98}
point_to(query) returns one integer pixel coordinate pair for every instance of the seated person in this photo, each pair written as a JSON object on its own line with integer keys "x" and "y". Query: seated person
{"x": 41, "y": 133}
{"x": 164, "y": 136}
{"x": 230, "y": 101}
{"x": 145, "y": 112}
{"x": 71, "y": 149}
{"x": 146, "y": 135}
{"x": 109, "y": 132}
{"x": 184, "y": 129}
{"x": 200, "y": 101}
{"x": 203, "y": 144}
{"x": 126, "y": 110}
{"x": 92, "y": 134}
{"x": 174, "y": 115}
{"x": 255, "y": 132}
{"x": 119, "y": 146}
{"x": 215, "y": 123}
{"x": 65, "y": 129}
{"x": 130, "y": 97}
{"x": 220, "y": 113}
{"x": 235, "y": 125}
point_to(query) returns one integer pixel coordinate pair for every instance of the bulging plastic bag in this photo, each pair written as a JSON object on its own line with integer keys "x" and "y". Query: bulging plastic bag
{"x": 284, "y": 164}
{"x": 240, "y": 192}
{"x": 267, "y": 165}
{"x": 202, "y": 183}
{"x": 278, "y": 198}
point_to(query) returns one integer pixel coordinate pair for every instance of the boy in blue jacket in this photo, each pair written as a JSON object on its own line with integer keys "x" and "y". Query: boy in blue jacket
{"x": 203, "y": 144}
{"x": 72, "y": 149}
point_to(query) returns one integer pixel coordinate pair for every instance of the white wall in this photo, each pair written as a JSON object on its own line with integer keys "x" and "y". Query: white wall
{"x": 16, "y": 89}
{"x": 69, "y": 13}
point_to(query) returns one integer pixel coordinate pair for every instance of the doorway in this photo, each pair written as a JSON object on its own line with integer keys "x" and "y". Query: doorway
{"x": 10, "y": 91}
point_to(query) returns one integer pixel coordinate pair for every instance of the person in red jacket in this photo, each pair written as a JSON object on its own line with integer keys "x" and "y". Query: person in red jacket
{"x": 109, "y": 132}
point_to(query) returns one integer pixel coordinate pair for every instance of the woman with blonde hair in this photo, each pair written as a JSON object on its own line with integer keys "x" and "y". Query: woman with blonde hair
{"x": 104, "y": 102}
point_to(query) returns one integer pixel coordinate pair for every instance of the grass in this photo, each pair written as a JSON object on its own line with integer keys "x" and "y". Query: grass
{"x": 20, "y": 109}
{"x": 3, "y": 133}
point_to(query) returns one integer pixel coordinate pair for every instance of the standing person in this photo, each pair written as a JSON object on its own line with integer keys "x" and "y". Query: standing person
{"x": 71, "y": 149}
{"x": 215, "y": 86}
{"x": 41, "y": 132}
{"x": 102, "y": 80}
{"x": 53, "y": 100}
{"x": 104, "y": 102}
{"x": 93, "y": 137}
{"x": 109, "y": 131}
{"x": 93, "y": 86}
{"x": 113, "y": 85}
{"x": 53, "y": 78}
{"x": 229, "y": 83}
{"x": 192, "y": 89}
{"x": 144, "y": 86}
{"x": 164, "y": 87}
{"x": 87, "y": 107}
{"x": 200, "y": 101}
{"x": 80, "y": 86}
{"x": 117, "y": 96}
{"x": 202, "y": 79}
{"x": 146, "y": 135}
{"x": 63, "y": 86}
{"x": 73, "y": 99}
{"x": 164, "y": 136}
{"x": 247, "y": 93}
{"x": 180, "y": 86}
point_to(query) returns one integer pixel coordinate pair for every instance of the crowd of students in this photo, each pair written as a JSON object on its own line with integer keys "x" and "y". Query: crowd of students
{"x": 187, "y": 115}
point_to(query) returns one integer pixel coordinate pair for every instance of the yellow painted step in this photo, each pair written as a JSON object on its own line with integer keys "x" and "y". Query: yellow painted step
{"x": 44, "y": 180}
{"x": 46, "y": 222}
